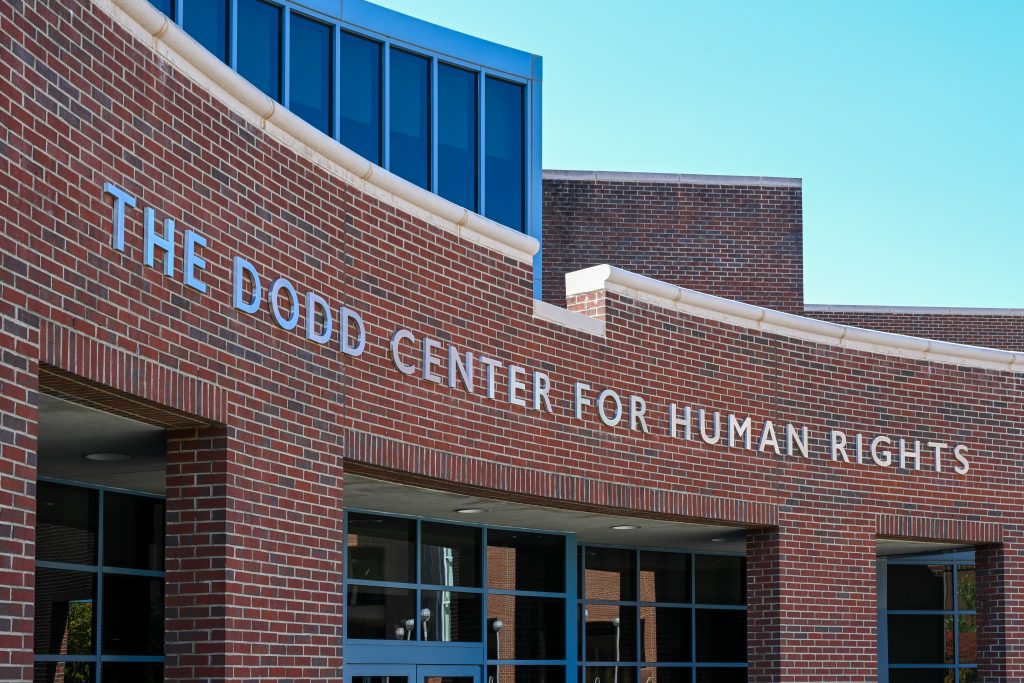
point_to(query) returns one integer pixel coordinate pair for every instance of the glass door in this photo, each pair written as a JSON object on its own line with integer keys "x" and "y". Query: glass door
{"x": 408, "y": 673}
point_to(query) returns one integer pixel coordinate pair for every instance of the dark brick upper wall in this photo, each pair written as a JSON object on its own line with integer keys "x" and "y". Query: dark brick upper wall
{"x": 997, "y": 331}
{"x": 740, "y": 241}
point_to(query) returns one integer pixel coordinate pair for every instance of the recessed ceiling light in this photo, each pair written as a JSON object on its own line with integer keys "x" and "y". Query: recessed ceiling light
{"x": 106, "y": 457}
{"x": 470, "y": 511}
{"x": 625, "y": 527}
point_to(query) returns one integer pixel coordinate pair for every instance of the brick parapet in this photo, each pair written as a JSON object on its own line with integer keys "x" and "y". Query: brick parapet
{"x": 992, "y": 330}
{"x": 738, "y": 238}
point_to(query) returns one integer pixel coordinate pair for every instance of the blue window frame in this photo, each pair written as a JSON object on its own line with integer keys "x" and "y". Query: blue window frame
{"x": 928, "y": 618}
{"x": 457, "y": 133}
{"x": 99, "y": 584}
{"x": 505, "y": 151}
{"x": 259, "y": 45}
{"x": 361, "y": 95}
{"x": 311, "y": 65}
{"x": 207, "y": 22}
{"x": 659, "y": 614}
{"x": 409, "y": 116}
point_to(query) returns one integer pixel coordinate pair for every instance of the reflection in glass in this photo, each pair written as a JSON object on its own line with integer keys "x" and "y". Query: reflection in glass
{"x": 66, "y": 524}
{"x": 721, "y": 675}
{"x": 920, "y": 639}
{"x": 310, "y": 72}
{"x": 381, "y": 613}
{"x": 610, "y": 674}
{"x": 133, "y": 615}
{"x": 504, "y": 151}
{"x": 207, "y": 22}
{"x": 610, "y": 633}
{"x": 665, "y": 674}
{"x": 520, "y": 673}
{"x": 520, "y": 560}
{"x": 64, "y": 616}
{"x": 966, "y": 588}
{"x": 360, "y": 95}
{"x": 531, "y": 628}
{"x": 920, "y": 676}
{"x": 664, "y": 577}
{"x": 968, "y": 676}
{"x": 381, "y": 548}
{"x": 63, "y": 672}
{"x": 447, "y": 679}
{"x": 451, "y": 617}
{"x": 259, "y": 45}
{"x": 450, "y": 555}
{"x": 380, "y": 679}
{"x": 610, "y": 574}
{"x": 920, "y": 587}
{"x": 721, "y": 635}
{"x": 133, "y": 672}
{"x": 457, "y": 135}
{"x": 666, "y": 633}
{"x": 410, "y": 117}
{"x": 165, "y": 6}
{"x": 968, "y": 638}
{"x": 133, "y": 532}
{"x": 720, "y": 580}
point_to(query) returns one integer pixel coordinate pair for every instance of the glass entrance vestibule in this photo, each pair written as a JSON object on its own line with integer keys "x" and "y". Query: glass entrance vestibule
{"x": 440, "y": 602}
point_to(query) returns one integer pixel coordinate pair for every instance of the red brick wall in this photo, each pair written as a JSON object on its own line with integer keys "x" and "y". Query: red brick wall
{"x": 737, "y": 238}
{"x": 992, "y": 330}
{"x": 83, "y": 103}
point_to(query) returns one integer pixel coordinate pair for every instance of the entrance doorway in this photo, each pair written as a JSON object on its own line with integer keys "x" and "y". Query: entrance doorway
{"x": 411, "y": 673}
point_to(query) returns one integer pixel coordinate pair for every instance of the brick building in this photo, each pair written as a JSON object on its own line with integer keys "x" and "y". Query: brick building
{"x": 280, "y": 400}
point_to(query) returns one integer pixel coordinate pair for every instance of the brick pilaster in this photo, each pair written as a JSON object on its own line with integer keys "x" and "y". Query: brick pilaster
{"x": 811, "y": 600}
{"x": 1000, "y": 605}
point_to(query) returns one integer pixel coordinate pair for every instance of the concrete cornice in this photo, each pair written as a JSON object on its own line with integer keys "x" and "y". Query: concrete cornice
{"x": 166, "y": 38}
{"x": 702, "y": 305}
{"x": 913, "y": 310}
{"x": 677, "y": 178}
{"x": 542, "y": 310}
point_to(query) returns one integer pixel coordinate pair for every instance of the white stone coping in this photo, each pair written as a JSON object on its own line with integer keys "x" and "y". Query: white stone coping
{"x": 694, "y": 303}
{"x": 170, "y": 41}
{"x": 678, "y": 178}
{"x": 542, "y": 310}
{"x": 912, "y": 310}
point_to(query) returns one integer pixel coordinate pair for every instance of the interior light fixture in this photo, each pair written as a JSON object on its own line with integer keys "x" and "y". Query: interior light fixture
{"x": 106, "y": 456}
{"x": 470, "y": 511}
{"x": 625, "y": 527}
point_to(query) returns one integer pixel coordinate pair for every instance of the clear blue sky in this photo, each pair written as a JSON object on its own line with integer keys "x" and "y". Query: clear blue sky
{"x": 904, "y": 119}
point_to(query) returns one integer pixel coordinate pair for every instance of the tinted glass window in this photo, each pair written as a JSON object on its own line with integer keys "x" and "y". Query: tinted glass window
{"x": 920, "y": 587}
{"x": 665, "y": 674}
{"x": 381, "y": 613}
{"x": 610, "y": 574}
{"x": 66, "y": 524}
{"x": 721, "y": 580}
{"x": 611, "y": 633}
{"x": 65, "y": 618}
{"x": 920, "y": 639}
{"x": 259, "y": 45}
{"x": 457, "y": 135}
{"x": 381, "y": 548}
{"x": 410, "y": 117}
{"x": 609, "y": 674}
{"x": 450, "y": 555}
{"x": 133, "y": 532}
{"x": 63, "y": 672}
{"x": 207, "y": 22}
{"x": 133, "y": 672}
{"x": 360, "y": 95}
{"x": 310, "y": 72}
{"x": 519, "y": 560}
{"x": 922, "y": 676}
{"x": 532, "y": 628}
{"x": 721, "y": 675}
{"x": 504, "y": 150}
{"x": 133, "y": 615}
{"x": 666, "y": 633}
{"x": 664, "y": 577}
{"x": 721, "y": 635}
{"x": 453, "y": 617}
{"x": 521, "y": 673}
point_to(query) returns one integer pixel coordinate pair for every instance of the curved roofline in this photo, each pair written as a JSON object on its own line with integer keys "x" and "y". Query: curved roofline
{"x": 912, "y": 310}
{"x": 640, "y": 287}
{"x": 168, "y": 39}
